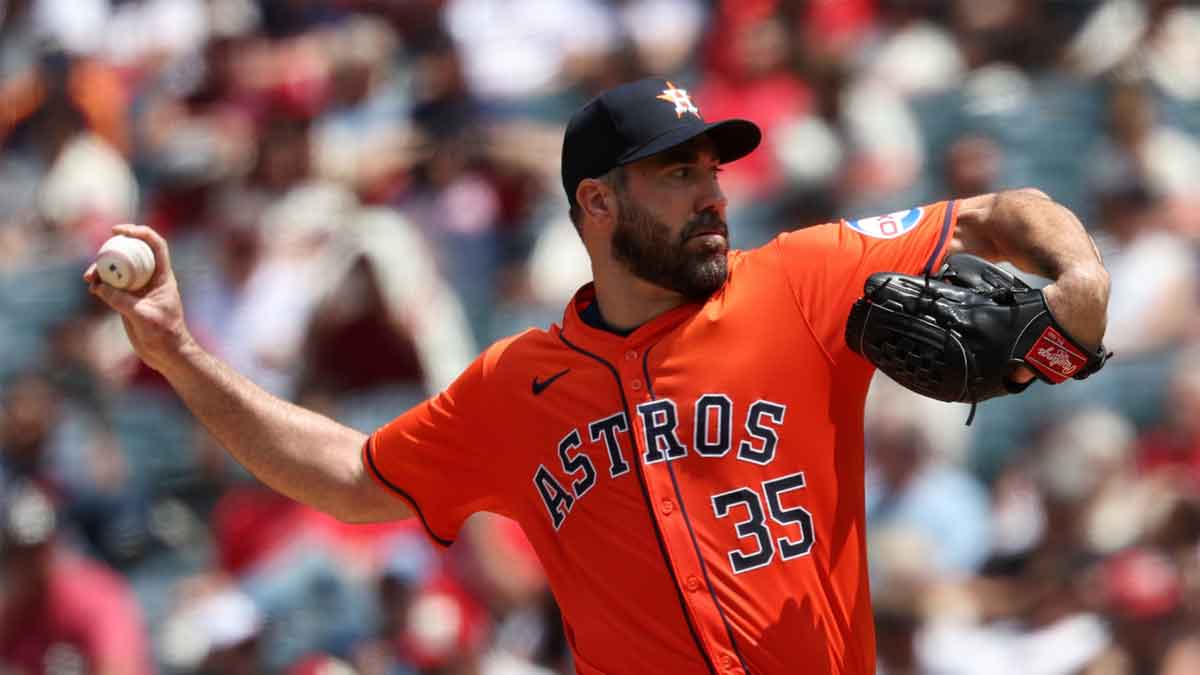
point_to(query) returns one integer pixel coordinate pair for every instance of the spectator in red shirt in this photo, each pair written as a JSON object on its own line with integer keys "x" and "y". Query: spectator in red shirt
{"x": 1172, "y": 449}
{"x": 60, "y": 612}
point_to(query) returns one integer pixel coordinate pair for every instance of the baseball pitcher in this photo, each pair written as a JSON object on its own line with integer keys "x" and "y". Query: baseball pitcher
{"x": 685, "y": 450}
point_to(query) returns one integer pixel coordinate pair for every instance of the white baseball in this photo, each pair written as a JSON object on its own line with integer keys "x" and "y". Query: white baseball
{"x": 125, "y": 262}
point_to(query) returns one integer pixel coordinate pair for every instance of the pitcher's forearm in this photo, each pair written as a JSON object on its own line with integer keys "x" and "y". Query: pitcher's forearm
{"x": 1079, "y": 299}
{"x": 295, "y": 451}
{"x": 1042, "y": 236}
{"x": 1052, "y": 241}
{"x": 1039, "y": 235}
{"x": 299, "y": 453}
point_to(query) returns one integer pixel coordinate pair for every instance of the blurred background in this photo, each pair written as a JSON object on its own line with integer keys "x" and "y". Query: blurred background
{"x": 361, "y": 194}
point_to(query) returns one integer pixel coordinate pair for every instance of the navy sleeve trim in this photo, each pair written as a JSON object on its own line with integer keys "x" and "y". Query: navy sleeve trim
{"x": 941, "y": 242}
{"x": 407, "y": 497}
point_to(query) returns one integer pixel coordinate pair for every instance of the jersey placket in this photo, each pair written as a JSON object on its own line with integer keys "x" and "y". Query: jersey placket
{"x": 670, "y": 511}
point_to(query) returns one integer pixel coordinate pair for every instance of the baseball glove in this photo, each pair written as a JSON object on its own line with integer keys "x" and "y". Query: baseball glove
{"x": 958, "y": 334}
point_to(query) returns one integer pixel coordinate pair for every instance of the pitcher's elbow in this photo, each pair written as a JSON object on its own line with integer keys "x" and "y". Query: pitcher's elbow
{"x": 370, "y": 509}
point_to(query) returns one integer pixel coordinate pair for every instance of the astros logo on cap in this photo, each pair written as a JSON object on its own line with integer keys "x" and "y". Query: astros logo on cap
{"x": 683, "y": 102}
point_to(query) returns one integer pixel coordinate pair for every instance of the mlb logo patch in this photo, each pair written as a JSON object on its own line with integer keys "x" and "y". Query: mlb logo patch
{"x": 888, "y": 226}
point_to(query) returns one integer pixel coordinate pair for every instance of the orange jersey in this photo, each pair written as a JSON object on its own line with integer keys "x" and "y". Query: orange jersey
{"x": 694, "y": 490}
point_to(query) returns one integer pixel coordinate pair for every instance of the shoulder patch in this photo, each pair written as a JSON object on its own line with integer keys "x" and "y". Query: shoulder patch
{"x": 888, "y": 226}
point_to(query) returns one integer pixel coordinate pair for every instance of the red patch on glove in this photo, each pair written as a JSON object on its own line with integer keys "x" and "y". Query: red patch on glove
{"x": 1055, "y": 357}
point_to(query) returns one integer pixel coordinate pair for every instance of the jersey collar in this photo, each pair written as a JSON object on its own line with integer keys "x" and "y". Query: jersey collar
{"x": 577, "y": 330}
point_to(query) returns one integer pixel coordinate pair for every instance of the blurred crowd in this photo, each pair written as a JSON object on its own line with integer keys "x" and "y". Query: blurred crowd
{"x": 360, "y": 194}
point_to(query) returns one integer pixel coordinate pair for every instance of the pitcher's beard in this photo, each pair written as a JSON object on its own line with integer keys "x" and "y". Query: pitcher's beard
{"x": 693, "y": 268}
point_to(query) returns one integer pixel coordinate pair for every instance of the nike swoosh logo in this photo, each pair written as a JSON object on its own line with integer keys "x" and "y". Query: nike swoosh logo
{"x": 540, "y": 386}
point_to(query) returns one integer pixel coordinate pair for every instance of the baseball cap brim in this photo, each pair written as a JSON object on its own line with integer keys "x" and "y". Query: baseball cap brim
{"x": 733, "y": 138}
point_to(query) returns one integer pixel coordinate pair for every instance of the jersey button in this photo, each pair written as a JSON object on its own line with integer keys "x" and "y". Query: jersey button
{"x": 636, "y": 385}
{"x": 693, "y": 583}
{"x": 631, "y": 355}
{"x": 668, "y": 507}
{"x": 726, "y": 661}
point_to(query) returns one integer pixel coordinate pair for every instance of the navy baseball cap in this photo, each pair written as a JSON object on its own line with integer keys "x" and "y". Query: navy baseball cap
{"x": 636, "y": 120}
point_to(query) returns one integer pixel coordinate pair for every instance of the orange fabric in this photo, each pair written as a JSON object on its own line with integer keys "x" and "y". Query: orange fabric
{"x": 731, "y": 545}
{"x": 847, "y": 257}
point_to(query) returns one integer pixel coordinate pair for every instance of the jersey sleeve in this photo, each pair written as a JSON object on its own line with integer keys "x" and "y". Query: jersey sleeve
{"x": 827, "y": 265}
{"x": 438, "y": 457}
